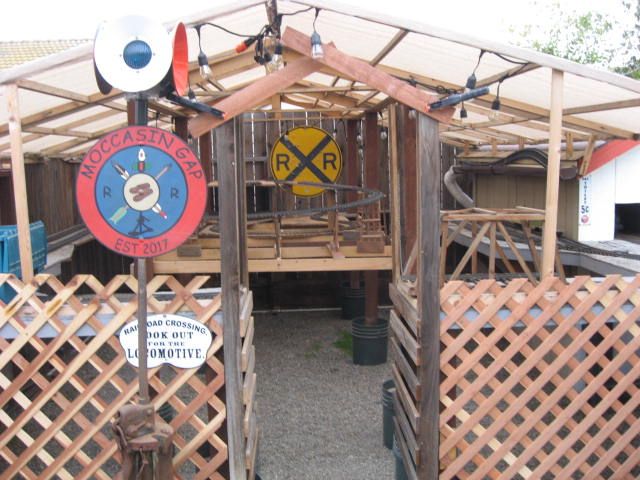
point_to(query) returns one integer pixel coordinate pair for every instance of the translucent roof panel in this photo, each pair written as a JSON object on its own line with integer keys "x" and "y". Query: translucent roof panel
{"x": 59, "y": 92}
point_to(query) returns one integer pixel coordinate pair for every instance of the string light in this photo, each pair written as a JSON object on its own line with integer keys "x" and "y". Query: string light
{"x": 203, "y": 61}
{"x": 463, "y": 111}
{"x": 276, "y": 62}
{"x": 495, "y": 105}
{"x": 316, "y": 43}
{"x": 471, "y": 80}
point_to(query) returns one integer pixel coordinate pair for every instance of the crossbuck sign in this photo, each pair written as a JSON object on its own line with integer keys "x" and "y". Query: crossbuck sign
{"x": 306, "y": 154}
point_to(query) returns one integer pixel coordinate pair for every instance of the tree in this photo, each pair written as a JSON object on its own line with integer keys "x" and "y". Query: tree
{"x": 631, "y": 43}
{"x": 583, "y": 38}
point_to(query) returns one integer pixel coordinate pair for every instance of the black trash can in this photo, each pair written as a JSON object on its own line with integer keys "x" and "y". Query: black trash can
{"x": 352, "y": 301}
{"x": 401, "y": 473}
{"x": 388, "y": 391}
{"x": 369, "y": 341}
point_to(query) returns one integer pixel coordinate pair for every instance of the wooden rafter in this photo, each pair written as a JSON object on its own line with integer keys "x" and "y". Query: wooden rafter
{"x": 393, "y": 43}
{"x": 251, "y": 95}
{"x": 521, "y": 109}
{"x": 634, "y": 102}
{"x": 71, "y": 125}
{"x": 512, "y": 72}
{"x": 369, "y": 75}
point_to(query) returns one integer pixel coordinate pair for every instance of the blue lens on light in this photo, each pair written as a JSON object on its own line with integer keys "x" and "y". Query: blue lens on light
{"x": 137, "y": 54}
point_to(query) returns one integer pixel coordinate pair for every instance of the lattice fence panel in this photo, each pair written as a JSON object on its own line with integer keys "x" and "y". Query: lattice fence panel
{"x": 63, "y": 377}
{"x": 541, "y": 381}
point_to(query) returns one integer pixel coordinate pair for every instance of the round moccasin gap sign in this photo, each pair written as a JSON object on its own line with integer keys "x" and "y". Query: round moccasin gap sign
{"x": 141, "y": 191}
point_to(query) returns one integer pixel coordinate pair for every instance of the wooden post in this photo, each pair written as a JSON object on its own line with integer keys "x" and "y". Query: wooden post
{"x": 408, "y": 181}
{"x": 241, "y": 166}
{"x": 553, "y": 175}
{"x": 19, "y": 182}
{"x": 428, "y": 155}
{"x": 394, "y": 194}
{"x": 352, "y": 179}
{"x": 206, "y": 159}
{"x": 229, "y": 269}
{"x": 371, "y": 178}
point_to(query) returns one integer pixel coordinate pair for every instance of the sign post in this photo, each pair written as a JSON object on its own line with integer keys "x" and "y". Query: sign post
{"x": 132, "y": 206}
{"x": 141, "y": 109}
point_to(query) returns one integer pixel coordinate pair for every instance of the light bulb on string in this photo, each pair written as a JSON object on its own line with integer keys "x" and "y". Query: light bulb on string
{"x": 316, "y": 42}
{"x": 276, "y": 62}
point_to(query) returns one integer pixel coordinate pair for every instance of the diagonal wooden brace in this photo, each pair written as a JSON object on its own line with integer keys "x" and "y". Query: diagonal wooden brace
{"x": 363, "y": 72}
{"x": 253, "y": 94}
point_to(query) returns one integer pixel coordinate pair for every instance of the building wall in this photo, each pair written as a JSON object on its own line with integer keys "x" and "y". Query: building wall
{"x": 617, "y": 182}
{"x": 506, "y": 191}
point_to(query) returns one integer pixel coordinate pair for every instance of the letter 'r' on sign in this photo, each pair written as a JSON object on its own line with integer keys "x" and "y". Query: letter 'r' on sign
{"x": 307, "y": 156}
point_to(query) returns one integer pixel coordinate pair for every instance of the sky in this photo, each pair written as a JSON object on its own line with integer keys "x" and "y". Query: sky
{"x": 491, "y": 19}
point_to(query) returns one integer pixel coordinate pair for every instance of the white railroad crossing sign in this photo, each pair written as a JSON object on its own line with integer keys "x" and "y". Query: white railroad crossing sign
{"x": 306, "y": 154}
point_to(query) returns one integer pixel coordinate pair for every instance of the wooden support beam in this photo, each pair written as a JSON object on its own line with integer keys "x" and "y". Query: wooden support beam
{"x": 428, "y": 432}
{"x": 367, "y": 74}
{"x": 372, "y": 180}
{"x": 230, "y": 273}
{"x": 19, "y": 183}
{"x": 553, "y": 175}
{"x": 512, "y": 72}
{"x": 408, "y": 180}
{"x": 253, "y": 94}
{"x": 599, "y": 107}
{"x": 206, "y": 159}
{"x": 53, "y": 91}
{"x": 386, "y": 50}
{"x": 56, "y": 112}
{"x": 394, "y": 193}
{"x": 393, "y": 43}
{"x": 586, "y": 157}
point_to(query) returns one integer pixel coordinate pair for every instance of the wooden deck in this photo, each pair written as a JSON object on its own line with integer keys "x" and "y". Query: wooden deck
{"x": 297, "y": 245}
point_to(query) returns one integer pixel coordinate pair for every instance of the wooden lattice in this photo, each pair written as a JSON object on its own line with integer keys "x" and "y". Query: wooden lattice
{"x": 63, "y": 377}
{"x": 536, "y": 381}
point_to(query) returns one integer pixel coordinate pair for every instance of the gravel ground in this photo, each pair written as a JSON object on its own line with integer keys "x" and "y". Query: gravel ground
{"x": 320, "y": 416}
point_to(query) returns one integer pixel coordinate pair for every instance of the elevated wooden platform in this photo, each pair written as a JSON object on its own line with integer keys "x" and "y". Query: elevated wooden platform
{"x": 295, "y": 245}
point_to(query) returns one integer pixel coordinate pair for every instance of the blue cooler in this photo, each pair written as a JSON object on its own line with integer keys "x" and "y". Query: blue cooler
{"x": 10, "y": 253}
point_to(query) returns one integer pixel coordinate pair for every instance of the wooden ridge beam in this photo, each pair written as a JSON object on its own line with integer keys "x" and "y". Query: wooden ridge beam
{"x": 253, "y": 94}
{"x": 365, "y": 73}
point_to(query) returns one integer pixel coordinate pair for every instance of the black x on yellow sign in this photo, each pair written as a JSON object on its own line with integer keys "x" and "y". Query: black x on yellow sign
{"x": 306, "y": 154}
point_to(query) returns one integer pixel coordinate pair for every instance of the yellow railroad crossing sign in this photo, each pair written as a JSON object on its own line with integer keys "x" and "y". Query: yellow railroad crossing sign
{"x": 306, "y": 154}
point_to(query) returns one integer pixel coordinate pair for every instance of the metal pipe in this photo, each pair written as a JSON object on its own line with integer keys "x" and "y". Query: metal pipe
{"x": 451, "y": 182}
{"x": 581, "y": 145}
{"x": 141, "y": 115}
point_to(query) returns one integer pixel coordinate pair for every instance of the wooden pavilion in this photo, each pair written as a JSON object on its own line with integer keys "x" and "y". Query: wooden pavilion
{"x": 480, "y": 390}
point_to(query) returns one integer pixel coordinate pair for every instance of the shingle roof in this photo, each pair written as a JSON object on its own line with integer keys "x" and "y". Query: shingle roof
{"x": 15, "y": 53}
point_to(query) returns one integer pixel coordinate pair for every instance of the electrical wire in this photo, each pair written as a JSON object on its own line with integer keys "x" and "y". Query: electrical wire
{"x": 507, "y": 59}
{"x": 224, "y": 29}
{"x": 296, "y": 12}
